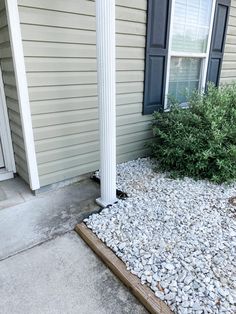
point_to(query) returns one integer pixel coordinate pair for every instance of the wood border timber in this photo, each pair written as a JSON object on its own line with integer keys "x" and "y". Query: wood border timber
{"x": 142, "y": 292}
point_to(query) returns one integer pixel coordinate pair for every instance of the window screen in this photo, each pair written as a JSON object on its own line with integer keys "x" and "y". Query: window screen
{"x": 188, "y": 47}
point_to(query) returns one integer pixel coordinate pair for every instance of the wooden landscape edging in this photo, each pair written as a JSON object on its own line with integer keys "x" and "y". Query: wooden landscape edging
{"x": 142, "y": 292}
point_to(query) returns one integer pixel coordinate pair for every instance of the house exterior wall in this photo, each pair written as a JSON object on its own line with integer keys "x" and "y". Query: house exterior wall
{"x": 11, "y": 95}
{"x": 228, "y": 72}
{"x": 59, "y": 43}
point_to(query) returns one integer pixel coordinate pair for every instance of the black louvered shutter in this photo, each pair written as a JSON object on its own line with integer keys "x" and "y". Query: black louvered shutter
{"x": 218, "y": 41}
{"x": 158, "y": 23}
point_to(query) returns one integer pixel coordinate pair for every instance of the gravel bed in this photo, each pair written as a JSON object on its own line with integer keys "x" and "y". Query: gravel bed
{"x": 177, "y": 236}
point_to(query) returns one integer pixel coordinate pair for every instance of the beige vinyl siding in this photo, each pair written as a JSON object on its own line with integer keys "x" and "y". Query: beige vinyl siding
{"x": 228, "y": 72}
{"x": 59, "y": 42}
{"x": 11, "y": 95}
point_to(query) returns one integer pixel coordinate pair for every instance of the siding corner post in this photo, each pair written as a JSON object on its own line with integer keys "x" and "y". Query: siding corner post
{"x": 105, "y": 34}
{"x": 22, "y": 90}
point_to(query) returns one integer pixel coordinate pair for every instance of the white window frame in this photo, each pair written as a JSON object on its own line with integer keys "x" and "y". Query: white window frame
{"x": 204, "y": 56}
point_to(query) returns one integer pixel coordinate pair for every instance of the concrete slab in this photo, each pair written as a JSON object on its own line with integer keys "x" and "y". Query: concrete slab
{"x": 62, "y": 276}
{"x": 45, "y": 216}
{"x": 13, "y": 192}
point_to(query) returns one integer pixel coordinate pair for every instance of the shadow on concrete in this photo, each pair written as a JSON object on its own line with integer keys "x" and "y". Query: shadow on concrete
{"x": 28, "y": 220}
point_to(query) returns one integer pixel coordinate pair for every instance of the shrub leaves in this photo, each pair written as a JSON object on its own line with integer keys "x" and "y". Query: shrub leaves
{"x": 199, "y": 141}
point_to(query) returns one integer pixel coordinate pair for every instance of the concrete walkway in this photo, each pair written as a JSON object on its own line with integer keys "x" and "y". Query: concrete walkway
{"x": 62, "y": 276}
{"x": 45, "y": 267}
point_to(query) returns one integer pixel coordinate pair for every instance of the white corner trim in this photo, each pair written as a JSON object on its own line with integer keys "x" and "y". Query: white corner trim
{"x": 5, "y": 132}
{"x": 22, "y": 90}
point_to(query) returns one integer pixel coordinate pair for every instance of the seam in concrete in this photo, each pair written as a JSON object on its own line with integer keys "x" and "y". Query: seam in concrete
{"x": 55, "y": 236}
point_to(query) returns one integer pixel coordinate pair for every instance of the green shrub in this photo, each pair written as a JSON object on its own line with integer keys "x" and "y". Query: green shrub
{"x": 200, "y": 141}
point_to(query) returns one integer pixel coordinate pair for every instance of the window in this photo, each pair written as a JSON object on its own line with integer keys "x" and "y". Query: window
{"x": 189, "y": 45}
{"x": 184, "y": 48}
{"x": 184, "y": 77}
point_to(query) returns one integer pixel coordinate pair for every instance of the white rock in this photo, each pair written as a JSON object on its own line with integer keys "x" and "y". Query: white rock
{"x": 159, "y": 294}
{"x": 156, "y": 277}
{"x": 170, "y": 296}
{"x": 154, "y": 268}
{"x": 231, "y": 299}
{"x": 197, "y": 306}
{"x": 182, "y": 276}
{"x": 184, "y": 297}
{"x": 223, "y": 292}
{"x": 122, "y": 246}
{"x": 174, "y": 231}
{"x": 186, "y": 288}
{"x": 169, "y": 266}
{"x": 164, "y": 284}
{"x": 188, "y": 279}
{"x": 149, "y": 279}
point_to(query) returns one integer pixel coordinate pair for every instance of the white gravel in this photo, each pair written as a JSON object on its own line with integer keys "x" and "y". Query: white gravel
{"x": 177, "y": 236}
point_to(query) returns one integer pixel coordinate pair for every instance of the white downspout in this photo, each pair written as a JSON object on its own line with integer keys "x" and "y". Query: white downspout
{"x": 105, "y": 29}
